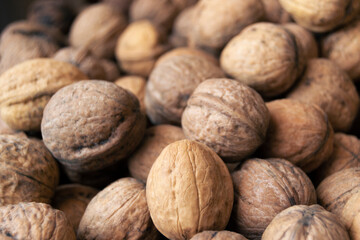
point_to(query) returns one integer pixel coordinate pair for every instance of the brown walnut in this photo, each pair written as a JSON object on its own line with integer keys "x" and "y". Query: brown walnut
{"x": 274, "y": 12}
{"x": 122, "y": 6}
{"x": 351, "y": 216}
{"x": 182, "y": 27}
{"x": 135, "y": 85}
{"x": 5, "y": 129}
{"x": 220, "y": 235}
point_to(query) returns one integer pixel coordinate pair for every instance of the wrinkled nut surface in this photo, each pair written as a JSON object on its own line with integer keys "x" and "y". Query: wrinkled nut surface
{"x": 28, "y": 172}
{"x": 91, "y": 125}
{"x": 155, "y": 140}
{"x": 305, "y": 222}
{"x": 263, "y": 56}
{"x": 27, "y": 88}
{"x": 72, "y": 199}
{"x": 330, "y": 88}
{"x": 274, "y": 12}
{"x": 298, "y": 132}
{"x": 264, "y": 188}
{"x": 34, "y": 221}
{"x": 189, "y": 190}
{"x": 119, "y": 211}
{"x": 351, "y": 216}
{"x": 172, "y": 82}
{"x": 220, "y": 235}
{"x": 227, "y": 116}
{"x": 135, "y": 85}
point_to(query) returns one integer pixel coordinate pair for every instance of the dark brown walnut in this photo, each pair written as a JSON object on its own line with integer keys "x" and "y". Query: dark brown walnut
{"x": 119, "y": 211}
{"x": 227, "y": 116}
{"x": 182, "y": 27}
{"x": 274, "y": 12}
{"x": 27, "y": 87}
{"x": 342, "y": 48}
{"x": 264, "y": 188}
{"x": 138, "y": 47}
{"x": 335, "y": 190}
{"x": 21, "y": 41}
{"x": 97, "y": 28}
{"x": 298, "y": 132}
{"x": 34, "y": 221}
{"x": 72, "y": 199}
{"x": 187, "y": 51}
{"x": 172, "y": 82}
{"x": 92, "y": 66}
{"x": 92, "y": 125}
{"x": 330, "y": 88}
{"x": 350, "y": 216}
{"x": 305, "y": 222}
{"x": 155, "y": 140}
{"x": 189, "y": 190}
{"x": 220, "y": 235}
{"x": 28, "y": 172}
{"x": 264, "y": 56}
{"x": 135, "y": 85}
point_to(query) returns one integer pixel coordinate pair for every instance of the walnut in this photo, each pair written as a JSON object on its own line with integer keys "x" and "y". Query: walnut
{"x": 298, "y": 132}
{"x": 327, "y": 86}
{"x": 28, "y": 172}
{"x": 34, "y": 221}
{"x": 5, "y": 129}
{"x": 97, "y": 28}
{"x": 120, "y": 5}
{"x": 138, "y": 47}
{"x": 92, "y": 125}
{"x": 72, "y": 199}
{"x": 182, "y": 27}
{"x": 351, "y": 216}
{"x": 263, "y": 56}
{"x": 186, "y": 51}
{"x": 220, "y": 235}
{"x": 119, "y": 211}
{"x": 27, "y": 87}
{"x": 274, "y": 12}
{"x": 305, "y": 222}
{"x": 155, "y": 140}
{"x": 321, "y": 15}
{"x": 227, "y": 116}
{"x": 189, "y": 190}
{"x": 172, "y": 82}
{"x": 264, "y": 188}
{"x": 135, "y": 85}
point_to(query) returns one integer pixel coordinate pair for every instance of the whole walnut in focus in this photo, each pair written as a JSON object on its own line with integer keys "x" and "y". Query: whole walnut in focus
{"x": 298, "y": 132}
{"x": 264, "y": 188}
{"x": 172, "y": 82}
{"x": 350, "y": 216}
{"x": 155, "y": 140}
{"x": 189, "y": 190}
{"x": 135, "y": 85}
{"x": 274, "y": 12}
{"x": 305, "y": 222}
{"x": 187, "y": 51}
{"x": 220, "y": 235}
{"x": 72, "y": 199}
{"x": 119, "y": 211}
{"x": 30, "y": 221}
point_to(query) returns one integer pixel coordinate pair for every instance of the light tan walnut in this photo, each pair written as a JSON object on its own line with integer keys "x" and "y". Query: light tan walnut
{"x": 135, "y": 85}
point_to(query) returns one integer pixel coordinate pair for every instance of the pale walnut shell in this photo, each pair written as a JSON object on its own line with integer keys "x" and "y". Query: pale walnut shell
{"x": 27, "y": 88}
{"x": 182, "y": 27}
{"x": 220, "y": 235}
{"x": 5, "y": 129}
{"x": 187, "y": 51}
{"x": 30, "y": 221}
{"x": 227, "y": 116}
{"x": 298, "y": 132}
{"x": 119, "y": 211}
{"x": 273, "y": 12}
{"x": 351, "y": 216}
{"x": 28, "y": 172}
{"x": 264, "y": 188}
{"x": 172, "y": 82}
{"x": 263, "y": 56}
{"x": 97, "y": 28}
{"x": 305, "y": 222}
{"x": 155, "y": 140}
{"x": 135, "y": 85}
{"x": 72, "y": 199}
{"x": 330, "y": 88}
{"x": 189, "y": 190}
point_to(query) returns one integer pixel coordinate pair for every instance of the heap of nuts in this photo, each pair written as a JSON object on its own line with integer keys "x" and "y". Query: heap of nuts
{"x": 182, "y": 119}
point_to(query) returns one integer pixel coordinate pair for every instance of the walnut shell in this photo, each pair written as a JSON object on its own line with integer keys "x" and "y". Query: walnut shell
{"x": 5, "y": 129}
{"x": 97, "y": 28}
{"x": 274, "y": 12}
{"x": 119, "y": 211}
{"x": 351, "y": 216}
{"x": 122, "y": 6}
{"x": 34, "y": 221}
{"x": 182, "y": 27}
{"x": 327, "y": 86}
{"x": 28, "y": 172}
{"x": 187, "y": 51}
{"x": 27, "y": 87}
{"x": 72, "y": 199}
{"x": 155, "y": 140}
{"x": 189, "y": 190}
{"x": 172, "y": 82}
{"x": 263, "y": 56}
{"x": 298, "y": 132}
{"x": 264, "y": 188}
{"x": 227, "y": 116}
{"x": 305, "y": 222}
{"x": 220, "y": 235}
{"x": 92, "y": 125}
{"x": 135, "y": 85}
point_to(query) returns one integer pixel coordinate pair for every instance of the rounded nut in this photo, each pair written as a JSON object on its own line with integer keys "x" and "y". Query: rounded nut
{"x": 274, "y": 12}
{"x": 189, "y": 190}
{"x": 135, "y": 85}
{"x": 227, "y": 116}
{"x": 119, "y": 211}
{"x": 220, "y": 235}
{"x": 351, "y": 216}
{"x": 264, "y": 188}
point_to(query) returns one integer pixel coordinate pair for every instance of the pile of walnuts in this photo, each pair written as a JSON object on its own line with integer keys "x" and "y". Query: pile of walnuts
{"x": 181, "y": 119}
